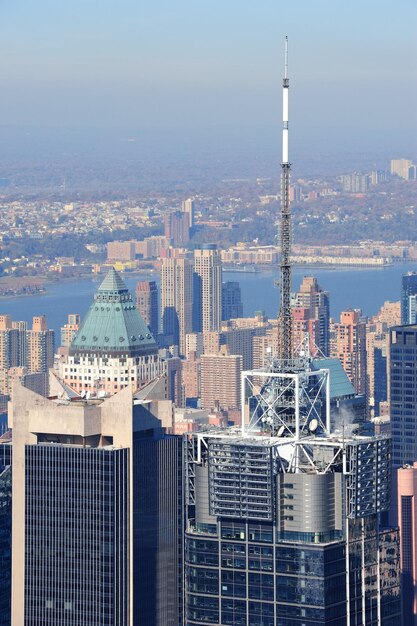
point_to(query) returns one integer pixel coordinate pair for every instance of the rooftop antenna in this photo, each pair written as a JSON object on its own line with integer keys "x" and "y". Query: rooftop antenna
{"x": 285, "y": 320}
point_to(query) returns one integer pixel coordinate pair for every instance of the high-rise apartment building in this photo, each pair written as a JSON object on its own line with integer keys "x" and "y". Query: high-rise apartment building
{"x": 232, "y": 306}
{"x": 97, "y": 514}
{"x": 40, "y": 346}
{"x": 220, "y": 379}
{"x": 177, "y": 278}
{"x": 408, "y": 298}
{"x": 191, "y": 376}
{"x": 9, "y": 343}
{"x": 404, "y": 168}
{"x": 121, "y": 251}
{"x": 208, "y": 270}
{"x": 188, "y": 207}
{"x": 25, "y": 354}
{"x": 70, "y": 329}
{"x": 113, "y": 347}
{"x": 349, "y": 346}
{"x": 355, "y": 183}
{"x": 407, "y": 521}
{"x": 315, "y": 301}
{"x": 147, "y": 304}
{"x": 177, "y": 228}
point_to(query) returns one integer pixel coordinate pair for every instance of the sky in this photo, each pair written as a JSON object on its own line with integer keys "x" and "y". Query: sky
{"x": 201, "y": 69}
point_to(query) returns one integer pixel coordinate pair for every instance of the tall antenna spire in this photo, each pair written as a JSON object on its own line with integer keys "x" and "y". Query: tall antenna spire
{"x": 285, "y": 319}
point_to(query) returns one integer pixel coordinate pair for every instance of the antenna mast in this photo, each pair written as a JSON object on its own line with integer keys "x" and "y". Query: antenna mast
{"x": 285, "y": 318}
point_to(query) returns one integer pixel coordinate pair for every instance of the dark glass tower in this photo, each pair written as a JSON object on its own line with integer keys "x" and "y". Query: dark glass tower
{"x": 232, "y": 306}
{"x": 5, "y": 530}
{"x": 403, "y": 393}
{"x": 97, "y": 513}
{"x": 408, "y": 298}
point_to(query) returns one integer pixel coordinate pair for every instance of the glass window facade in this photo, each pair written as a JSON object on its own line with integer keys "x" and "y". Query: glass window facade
{"x": 76, "y": 536}
{"x": 5, "y": 543}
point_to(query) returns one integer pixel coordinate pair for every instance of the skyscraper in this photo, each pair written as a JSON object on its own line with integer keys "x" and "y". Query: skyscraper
{"x": 177, "y": 300}
{"x": 283, "y": 519}
{"x": 188, "y": 208}
{"x": 220, "y": 379}
{"x": 208, "y": 269}
{"x": 5, "y": 530}
{"x": 97, "y": 513}
{"x": 349, "y": 346}
{"x": 40, "y": 346}
{"x": 232, "y": 306}
{"x": 113, "y": 347}
{"x": 408, "y": 298}
{"x": 177, "y": 228}
{"x": 403, "y": 394}
{"x": 407, "y": 521}
{"x": 315, "y": 301}
{"x": 147, "y": 304}
{"x": 70, "y": 329}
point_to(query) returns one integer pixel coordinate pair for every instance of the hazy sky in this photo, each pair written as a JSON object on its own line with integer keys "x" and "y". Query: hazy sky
{"x": 202, "y": 64}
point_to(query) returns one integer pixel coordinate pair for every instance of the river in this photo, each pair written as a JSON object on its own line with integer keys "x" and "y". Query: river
{"x": 364, "y": 288}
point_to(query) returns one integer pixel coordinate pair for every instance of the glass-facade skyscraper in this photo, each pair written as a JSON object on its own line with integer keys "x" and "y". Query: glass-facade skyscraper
{"x": 97, "y": 513}
{"x": 408, "y": 298}
{"x": 283, "y": 516}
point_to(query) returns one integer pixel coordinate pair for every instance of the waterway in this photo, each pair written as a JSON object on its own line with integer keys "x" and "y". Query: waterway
{"x": 364, "y": 288}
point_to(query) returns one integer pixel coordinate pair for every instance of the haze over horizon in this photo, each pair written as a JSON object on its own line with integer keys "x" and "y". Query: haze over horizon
{"x": 163, "y": 79}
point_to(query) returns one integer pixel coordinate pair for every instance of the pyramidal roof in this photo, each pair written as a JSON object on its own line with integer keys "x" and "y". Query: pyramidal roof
{"x": 113, "y": 325}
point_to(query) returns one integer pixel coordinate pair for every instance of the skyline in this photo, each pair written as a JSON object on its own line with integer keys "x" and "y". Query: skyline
{"x": 201, "y": 76}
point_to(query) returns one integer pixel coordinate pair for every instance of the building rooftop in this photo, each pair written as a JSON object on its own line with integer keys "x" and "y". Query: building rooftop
{"x": 113, "y": 325}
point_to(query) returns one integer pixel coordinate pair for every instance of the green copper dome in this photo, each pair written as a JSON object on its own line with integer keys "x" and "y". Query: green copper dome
{"x": 113, "y": 326}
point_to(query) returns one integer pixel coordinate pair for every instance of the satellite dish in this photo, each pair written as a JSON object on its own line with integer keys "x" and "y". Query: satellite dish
{"x": 313, "y": 425}
{"x": 83, "y": 393}
{"x": 281, "y": 430}
{"x": 88, "y": 395}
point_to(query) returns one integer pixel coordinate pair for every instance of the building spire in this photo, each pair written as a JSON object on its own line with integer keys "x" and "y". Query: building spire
{"x": 285, "y": 319}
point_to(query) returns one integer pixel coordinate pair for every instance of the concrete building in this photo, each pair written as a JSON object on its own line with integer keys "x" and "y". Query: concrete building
{"x": 232, "y": 306}
{"x": 40, "y": 346}
{"x": 407, "y": 521}
{"x": 356, "y": 183}
{"x": 316, "y": 303}
{"x": 191, "y": 377}
{"x": 70, "y": 329}
{"x": 9, "y": 344}
{"x": 121, "y": 251}
{"x": 147, "y": 304}
{"x": 106, "y": 548}
{"x": 404, "y": 168}
{"x": 349, "y": 346}
{"x": 208, "y": 268}
{"x": 113, "y": 347}
{"x": 188, "y": 207}
{"x": 220, "y": 380}
{"x": 194, "y": 342}
{"x": 151, "y": 247}
{"x": 177, "y": 228}
{"x": 177, "y": 300}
